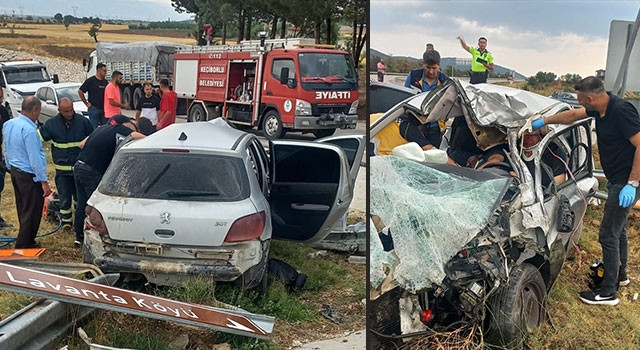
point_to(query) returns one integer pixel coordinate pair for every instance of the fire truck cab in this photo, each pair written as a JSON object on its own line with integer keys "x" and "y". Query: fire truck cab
{"x": 270, "y": 86}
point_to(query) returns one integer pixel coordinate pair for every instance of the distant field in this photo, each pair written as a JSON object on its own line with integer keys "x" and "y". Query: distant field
{"x": 75, "y": 43}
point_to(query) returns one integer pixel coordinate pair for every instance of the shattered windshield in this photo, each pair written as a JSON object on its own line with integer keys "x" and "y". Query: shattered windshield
{"x": 431, "y": 215}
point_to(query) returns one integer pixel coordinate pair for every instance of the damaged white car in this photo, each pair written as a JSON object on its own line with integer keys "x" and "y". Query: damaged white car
{"x": 452, "y": 245}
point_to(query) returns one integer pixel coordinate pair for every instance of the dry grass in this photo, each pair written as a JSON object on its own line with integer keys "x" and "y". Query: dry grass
{"x": 75, "y": 43}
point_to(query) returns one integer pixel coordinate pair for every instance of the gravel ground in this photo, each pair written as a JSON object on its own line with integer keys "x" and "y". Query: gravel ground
{"x": 68, "y": 72}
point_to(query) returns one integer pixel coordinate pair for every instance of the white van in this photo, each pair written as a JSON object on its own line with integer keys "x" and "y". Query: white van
{"x": 22, "y": 78}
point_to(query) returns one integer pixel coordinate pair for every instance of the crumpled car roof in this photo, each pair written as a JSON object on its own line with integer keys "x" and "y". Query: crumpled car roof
{"x": 492, "y": 105}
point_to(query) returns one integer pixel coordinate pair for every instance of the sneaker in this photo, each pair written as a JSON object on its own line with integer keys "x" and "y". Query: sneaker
{"x": 623, "y": 280}
{"x": 77, "y": 244}
{"x": 593, "y": 298}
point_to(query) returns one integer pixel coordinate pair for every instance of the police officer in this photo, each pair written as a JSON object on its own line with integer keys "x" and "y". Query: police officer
{"x": 481, "y": 62}
{"x": 66, "y": 130}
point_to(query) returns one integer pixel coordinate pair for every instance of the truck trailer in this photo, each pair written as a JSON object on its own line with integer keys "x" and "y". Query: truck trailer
{"x": 140, "y": 62}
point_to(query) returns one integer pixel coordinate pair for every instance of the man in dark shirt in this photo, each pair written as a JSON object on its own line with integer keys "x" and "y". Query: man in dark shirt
{"x": 618, "y": 131}
{"x": 4, "y": 116}
{"x": 149, "y": 105}
{"x": 95, "y": 86}
{"x": 67, "y": 129}
{"x": 94, "y": 159}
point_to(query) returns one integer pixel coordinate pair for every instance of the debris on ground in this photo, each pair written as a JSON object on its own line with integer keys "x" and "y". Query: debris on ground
{"x": 331, "y": 314}
{"x": 286, "y": 273}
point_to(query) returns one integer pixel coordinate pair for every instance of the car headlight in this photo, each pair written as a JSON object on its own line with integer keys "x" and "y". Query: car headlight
{"x": 303, "y": 107}
{"x": 354, "y": 107}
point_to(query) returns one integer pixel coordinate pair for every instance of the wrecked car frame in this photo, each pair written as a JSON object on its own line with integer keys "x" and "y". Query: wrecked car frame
{"x": 453, "y": 245}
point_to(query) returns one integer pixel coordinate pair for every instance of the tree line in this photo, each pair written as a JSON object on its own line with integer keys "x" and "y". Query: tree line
{"x": 316, "y": 19}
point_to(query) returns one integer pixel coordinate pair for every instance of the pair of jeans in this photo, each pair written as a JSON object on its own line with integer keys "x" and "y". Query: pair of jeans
{"x": 613, "y": 238}
{"x": 96, "y": 116}
{"x": 87, "y": 180}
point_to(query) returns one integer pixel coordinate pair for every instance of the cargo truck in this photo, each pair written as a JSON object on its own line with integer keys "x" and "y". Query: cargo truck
{"x": 140, "y": 62}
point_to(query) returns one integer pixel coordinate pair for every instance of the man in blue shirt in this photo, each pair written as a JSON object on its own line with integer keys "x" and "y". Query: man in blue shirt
{"x": 426, "y": 78}
{"x": 27, "y": 164}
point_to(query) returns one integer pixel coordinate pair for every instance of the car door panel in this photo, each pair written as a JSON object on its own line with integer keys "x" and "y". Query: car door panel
{"x": 353, "y": 146}
{"x": 310, "y": 189}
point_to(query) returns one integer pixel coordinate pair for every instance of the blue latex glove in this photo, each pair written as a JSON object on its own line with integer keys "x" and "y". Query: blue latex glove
{"x": 627, "y": 195}
{"x": 537, "y": 124}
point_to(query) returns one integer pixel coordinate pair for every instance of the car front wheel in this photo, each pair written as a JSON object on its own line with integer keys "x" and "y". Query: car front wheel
{"x": 518, "y": 308}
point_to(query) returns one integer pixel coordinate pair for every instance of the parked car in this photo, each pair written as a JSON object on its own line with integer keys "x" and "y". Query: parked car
{"x": 204, "y": 198}
{"x": 567, "y": 97}
{"x": 453, "y": 246}
{"x": 50, "y": 97}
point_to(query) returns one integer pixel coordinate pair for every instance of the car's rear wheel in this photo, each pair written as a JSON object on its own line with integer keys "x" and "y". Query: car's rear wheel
{"x": 518, "y": 308}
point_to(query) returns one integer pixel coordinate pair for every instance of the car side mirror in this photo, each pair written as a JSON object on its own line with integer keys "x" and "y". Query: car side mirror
{"x": 284, "y": 75}
{"x": 56, "y": 79}
{"x": 291, "y": 83}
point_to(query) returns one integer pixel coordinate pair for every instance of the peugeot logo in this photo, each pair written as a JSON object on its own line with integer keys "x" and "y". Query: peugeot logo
{"x": 165, "y": 218}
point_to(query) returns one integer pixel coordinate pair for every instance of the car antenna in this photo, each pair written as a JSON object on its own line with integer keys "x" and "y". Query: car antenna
{"x": 183, "y": 137}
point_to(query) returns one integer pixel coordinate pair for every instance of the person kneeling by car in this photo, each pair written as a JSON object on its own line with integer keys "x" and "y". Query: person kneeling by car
{"x": 618, "y": 133}
{"x": 94, "y": 159}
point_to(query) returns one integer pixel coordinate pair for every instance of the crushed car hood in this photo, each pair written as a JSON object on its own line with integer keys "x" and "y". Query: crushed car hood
{"x": 432, "y": 215}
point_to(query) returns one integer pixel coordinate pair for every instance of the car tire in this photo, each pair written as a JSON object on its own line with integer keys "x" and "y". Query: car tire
{"x": 272, "y": 125}
{"x": 126, "y": 95}
{"x": 197, "y": 114}
{"x": 320, "y": 133}
{"x": 517, "y": 308}
{"x": 137, "y": 96}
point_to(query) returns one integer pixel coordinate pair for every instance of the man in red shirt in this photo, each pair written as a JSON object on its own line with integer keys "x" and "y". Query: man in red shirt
{"x": 112, "y": 102}
{"x": 168, "y": 104}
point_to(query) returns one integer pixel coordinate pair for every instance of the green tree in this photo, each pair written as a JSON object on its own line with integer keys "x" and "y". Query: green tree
{"x": 95, "y": 27}
{"x": 67, "y": 20}
{"x": 58, "y": 17}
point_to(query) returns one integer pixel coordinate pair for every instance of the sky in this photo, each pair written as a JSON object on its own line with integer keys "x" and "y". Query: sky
{"x": 529, "y": 36}
{"x": 146, "y": 10}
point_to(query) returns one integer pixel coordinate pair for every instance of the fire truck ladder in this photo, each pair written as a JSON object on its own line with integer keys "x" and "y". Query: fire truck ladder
{"x": 250, "y": 46}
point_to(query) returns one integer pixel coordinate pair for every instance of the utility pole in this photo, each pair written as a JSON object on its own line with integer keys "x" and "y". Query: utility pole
{"x": 21, "y": 10}
{"x": 75, "y": 8}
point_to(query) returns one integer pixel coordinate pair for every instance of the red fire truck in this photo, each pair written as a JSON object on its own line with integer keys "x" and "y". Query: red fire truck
{"x": 269, "y": 84}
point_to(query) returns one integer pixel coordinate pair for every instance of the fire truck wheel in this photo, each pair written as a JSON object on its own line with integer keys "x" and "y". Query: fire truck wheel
{"x": 320, "y": 133}
{"x": 272, "y": 126}
{"x": 197, "y": 114}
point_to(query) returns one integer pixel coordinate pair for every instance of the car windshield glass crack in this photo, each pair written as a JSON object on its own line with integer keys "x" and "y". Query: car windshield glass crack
{"x": 422, "y": 208}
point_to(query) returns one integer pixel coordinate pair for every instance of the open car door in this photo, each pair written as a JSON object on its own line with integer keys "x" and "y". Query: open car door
{"x": 353, "y": 147}
{"x": 311, "y": 189}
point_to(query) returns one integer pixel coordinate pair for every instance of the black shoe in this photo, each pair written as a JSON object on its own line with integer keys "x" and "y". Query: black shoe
{"x": 4, "y": 224}
{"x": 33, "y": 245}
{"x": 77, "y": 244}
{"x": 623, "y": 280}
{"x": 593, "y": 298}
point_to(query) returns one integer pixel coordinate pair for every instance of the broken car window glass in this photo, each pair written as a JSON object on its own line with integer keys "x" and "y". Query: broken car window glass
{"x": 431, "y": 215}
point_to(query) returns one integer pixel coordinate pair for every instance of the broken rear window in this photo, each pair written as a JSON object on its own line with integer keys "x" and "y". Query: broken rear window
{"x": 176, "y": 176}
{"x": 431, "y": 215}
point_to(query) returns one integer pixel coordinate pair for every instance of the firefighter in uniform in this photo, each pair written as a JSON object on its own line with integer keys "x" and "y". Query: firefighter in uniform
{"x": 66, "y": 130}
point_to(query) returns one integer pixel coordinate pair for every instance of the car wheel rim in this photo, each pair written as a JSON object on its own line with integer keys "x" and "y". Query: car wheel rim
{"x": 532, "y": 307}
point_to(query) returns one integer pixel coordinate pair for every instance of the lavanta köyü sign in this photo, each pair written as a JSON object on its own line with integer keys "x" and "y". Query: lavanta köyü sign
{"x": 27, "y": 281}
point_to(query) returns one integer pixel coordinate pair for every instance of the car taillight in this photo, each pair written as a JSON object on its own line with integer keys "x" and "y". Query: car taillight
{"x": 95, "y": 221}
{"x": 247, "y": 228}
